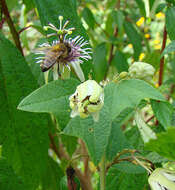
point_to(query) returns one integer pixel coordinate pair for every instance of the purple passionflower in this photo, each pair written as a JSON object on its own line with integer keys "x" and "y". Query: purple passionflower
{"x": 64, "y": 52}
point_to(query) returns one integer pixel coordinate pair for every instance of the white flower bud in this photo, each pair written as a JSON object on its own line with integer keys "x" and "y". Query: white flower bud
{"x": 141, "y": 70}
{"x": 162, "y": 179}
{"x": 87, "y": 99}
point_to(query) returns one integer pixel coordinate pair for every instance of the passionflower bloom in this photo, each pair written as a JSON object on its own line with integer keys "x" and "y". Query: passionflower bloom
{"x": 162, "y": 179}
{"x": 141, "y": 70}
{"x": 88, "y": 99}
{"x": 64, "y": 52}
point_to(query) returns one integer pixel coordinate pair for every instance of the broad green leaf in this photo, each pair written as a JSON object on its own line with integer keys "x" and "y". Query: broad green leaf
{"x": 24, "y": 135}
{"x": 49, "y": 12}
{"x": 29, "y": 4}
{"x": 134, "y": 38}
{"x": 8, "y": 178}
{"x": 170, "y": 22}
{"x": 125, "y": 176}
{"x": 51, "y": 98}
{"x": 171, "y": 1}
{"x": 117, "y": 140}
{"x": 11, "y": 4}
{"x": 120, "y": 61}
{"x": 94, "y": 134}
{"x": 88, "y": 17}
{"x": 160, "y": 7}
{"x": 141, "y": 6}
{"x": 118, "y": 18}
{"x": 118, "y": 97}
{"x": 134, "y": 137}
{"x": 153, "y": 58}
{"x": 169, "y": 48}
{"x": 128, "y": 94}
{"x": 70, "y": 143}
{"x": 109, "y": 24}
{"x": 155, "y": 157}
{"x": 163, "y": 112}
{"x": 164, "y": 144}
{"x": 151, "y": 3}
{"x": 100, "y": 61}
{"x": 35, "y": 68}
{"x": 52, "y": 177}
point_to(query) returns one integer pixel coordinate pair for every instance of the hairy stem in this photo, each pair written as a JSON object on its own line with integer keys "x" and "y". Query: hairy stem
{"x": 102, "y": 173}
{"x": 13, "y": 31}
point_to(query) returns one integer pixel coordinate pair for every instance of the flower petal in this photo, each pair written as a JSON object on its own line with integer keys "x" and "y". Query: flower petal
{"x": 78, "y": 70}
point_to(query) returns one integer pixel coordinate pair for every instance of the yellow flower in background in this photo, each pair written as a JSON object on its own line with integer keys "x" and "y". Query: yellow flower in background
{"x": 130, "y": 46}
{"x": 160, "y": 15}
{"x": 141, "y": 56}
{"x": 157, "y": 85}
{"x": 157, "y": 44}
{"x": 147, "y": 36}
{"x": 92, "y": 167}
{"x": 140, "y": 21}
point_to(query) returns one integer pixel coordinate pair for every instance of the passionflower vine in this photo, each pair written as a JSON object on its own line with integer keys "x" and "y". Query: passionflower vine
{"x": 88, "y": 99}
{"x": 162, "y": 179}
{"x": 141, "y": 70}
{"x": 64, "y": 52}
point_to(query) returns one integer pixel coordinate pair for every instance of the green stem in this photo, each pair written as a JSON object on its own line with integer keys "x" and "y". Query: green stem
{"x": 102, "y": 173}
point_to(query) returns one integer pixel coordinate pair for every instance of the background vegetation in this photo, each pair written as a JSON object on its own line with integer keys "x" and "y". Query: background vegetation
{"x": 39, "y": 151}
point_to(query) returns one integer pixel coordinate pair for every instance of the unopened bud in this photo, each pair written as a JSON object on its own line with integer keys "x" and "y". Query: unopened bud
{"x": 141, "y": 70}
{"x": 88, "y": 99}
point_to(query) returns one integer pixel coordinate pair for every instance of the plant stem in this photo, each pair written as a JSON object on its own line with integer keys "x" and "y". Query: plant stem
{"x": 13, "y": 31}
{"x": 102, "y": 173}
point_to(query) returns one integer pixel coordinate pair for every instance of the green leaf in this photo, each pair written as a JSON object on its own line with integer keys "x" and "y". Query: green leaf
{"x": 24, "y": 135}
{"x": 134, "y": 137}
{"x": 117, "y": 140}
{"x": 171, "y": 1}
{"x": 170, "y": 22}
{"x": 169, "y": 49}
{"x": 49, "y": 12}
{"x": 125, "y": 176}
{"x": 128, "y": 94}
{"x": 29, "y": 4}
{"x": 141, "y": 6}
{"x": 51, "y": 98}
{"x": 163, "y": 112}
{"x": 151, "y": 3}
{"x": 160, "y": 7}
{"x": 70, "y": 143}
{"x": 100, "y": 61}
{"x": 118, "y": 97}
{"x": 35, "y": 68}
{"x": 134, "y": 38}
{"x": 120, "y": 61}
{"x": 118, "y": 18}
{"x": 52, "y": 177}
{"x": 109, "y": 24}
{"x": 95, "y": 134}
{"x": 164, "y": 144}
{"x": 11, "y": 4}
{"x": 8, "y": 178}
{"x": 153, "y": 58}
{"x": 88, "y": 17}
